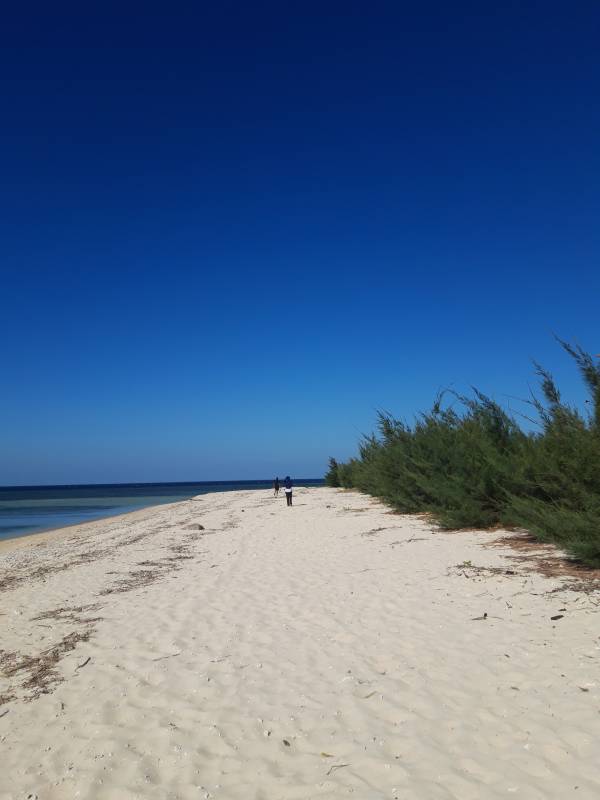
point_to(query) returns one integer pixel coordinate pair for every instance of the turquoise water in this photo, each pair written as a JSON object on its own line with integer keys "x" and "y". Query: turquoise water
{"x": 30, "y": 509}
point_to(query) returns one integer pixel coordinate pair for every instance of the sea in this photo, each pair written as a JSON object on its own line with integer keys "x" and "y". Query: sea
{"x": 31, "y": 509}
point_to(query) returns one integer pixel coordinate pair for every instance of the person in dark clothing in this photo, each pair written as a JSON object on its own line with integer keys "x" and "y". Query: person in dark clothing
{"x": 276, "y": 486}
{"x": 288, "y": 490}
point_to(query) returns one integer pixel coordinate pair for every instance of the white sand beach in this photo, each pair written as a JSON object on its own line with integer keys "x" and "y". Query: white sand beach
{"x": 329, "y": 650}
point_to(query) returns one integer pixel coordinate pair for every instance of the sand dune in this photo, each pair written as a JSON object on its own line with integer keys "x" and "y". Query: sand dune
{"x": 330, "y": 650}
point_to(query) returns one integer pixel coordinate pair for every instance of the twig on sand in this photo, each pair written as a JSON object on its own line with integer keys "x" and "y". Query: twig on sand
{"x": 170, "y": 655}
{"x": 336, "y": 766}
{"x": 87, "y": 661}
{"x": 367, "y": 569}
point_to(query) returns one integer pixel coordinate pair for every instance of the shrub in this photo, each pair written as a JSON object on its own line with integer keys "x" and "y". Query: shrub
{"x": 331, "y": 476}
{"x": 470, "y": 464}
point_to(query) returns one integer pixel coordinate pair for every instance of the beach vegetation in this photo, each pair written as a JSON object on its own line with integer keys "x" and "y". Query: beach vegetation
{"x": 470, "y": 463}
{"x": 332, "y": 475}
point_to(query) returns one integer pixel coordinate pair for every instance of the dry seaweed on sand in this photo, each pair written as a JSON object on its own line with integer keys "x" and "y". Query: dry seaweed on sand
{"x": 41, "y": 674}
{"x": 72, "y": 614}
{"x": 469, "y": 570}
{"x": 5, "y": 698}
{"x": 137, "y": 578}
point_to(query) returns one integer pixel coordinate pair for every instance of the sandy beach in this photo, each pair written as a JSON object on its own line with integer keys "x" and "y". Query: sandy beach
{"x": 329, "y": 650}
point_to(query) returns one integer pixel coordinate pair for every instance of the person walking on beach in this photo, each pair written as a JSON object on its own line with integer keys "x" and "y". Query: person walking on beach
{"x": 288, "y": 490}
{"x": 276, "y": 486}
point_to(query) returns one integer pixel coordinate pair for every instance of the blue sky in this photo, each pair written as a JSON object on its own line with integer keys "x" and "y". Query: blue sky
{"x": 229, "y": 236}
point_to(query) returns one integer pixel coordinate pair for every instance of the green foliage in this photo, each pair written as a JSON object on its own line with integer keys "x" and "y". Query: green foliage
{"x": 331, "y": 476}
{"x": 476, "y": 467}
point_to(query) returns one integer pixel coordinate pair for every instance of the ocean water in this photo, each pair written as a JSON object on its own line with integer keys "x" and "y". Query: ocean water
{"x": 30, "y": 509}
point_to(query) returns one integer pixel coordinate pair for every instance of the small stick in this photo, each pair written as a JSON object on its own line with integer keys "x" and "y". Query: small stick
{"x": 87, "y": 661}
{"x": 171, "y": 655}
{"x": 336, "y": 766}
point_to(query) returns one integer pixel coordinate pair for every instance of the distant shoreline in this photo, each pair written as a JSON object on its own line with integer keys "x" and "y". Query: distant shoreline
{"x": 141, "y": 484}
{"x": 71, "y": 529}
{"x": 64, "y": 531}
{"x": 28, "y": 511}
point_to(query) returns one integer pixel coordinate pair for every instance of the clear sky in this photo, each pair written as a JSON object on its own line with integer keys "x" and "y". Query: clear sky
{"x": 230, "y": 232}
